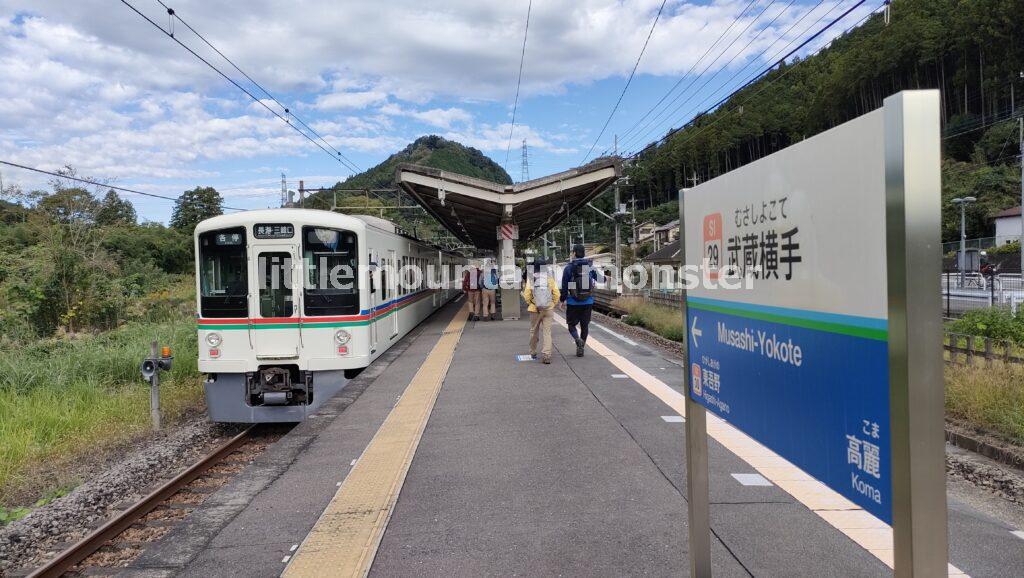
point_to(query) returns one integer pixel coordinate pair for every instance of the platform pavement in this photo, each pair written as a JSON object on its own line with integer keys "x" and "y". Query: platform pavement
{"x": 531, "y": 469}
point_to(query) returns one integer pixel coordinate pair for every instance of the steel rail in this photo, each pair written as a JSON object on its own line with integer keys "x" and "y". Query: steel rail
{"x": 119, "y": 523}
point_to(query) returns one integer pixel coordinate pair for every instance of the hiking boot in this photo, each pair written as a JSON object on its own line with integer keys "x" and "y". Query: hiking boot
{"x": 546, "y": 360}
{"x": 494, "y": 317}
{"x": 533, "y": 356}
{"x": 579, "y": 347}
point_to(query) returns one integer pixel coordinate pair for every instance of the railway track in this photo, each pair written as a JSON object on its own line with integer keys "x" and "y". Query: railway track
{"x": 124, "y": 536}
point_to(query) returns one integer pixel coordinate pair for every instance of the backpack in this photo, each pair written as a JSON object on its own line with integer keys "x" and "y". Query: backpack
{"x": 541, "y": 292}
{"x": 579, "y": 290}
{"x": 492, "y": 282}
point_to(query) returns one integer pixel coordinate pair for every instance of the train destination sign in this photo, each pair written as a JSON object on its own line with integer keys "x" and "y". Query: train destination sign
{"x": 799, "y": 359}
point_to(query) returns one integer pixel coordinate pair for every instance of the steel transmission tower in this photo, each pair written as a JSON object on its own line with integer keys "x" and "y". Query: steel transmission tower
{"x": 525, "y": 167}
{"x": 284, "y": 191}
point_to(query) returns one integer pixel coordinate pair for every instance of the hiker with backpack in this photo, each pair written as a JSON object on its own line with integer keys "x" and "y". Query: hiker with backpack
{"x": 488, "y": 286}
{"x": 541, "y": 294}
{"x": 471, "y": 287}
{"x": 577, "y": 293}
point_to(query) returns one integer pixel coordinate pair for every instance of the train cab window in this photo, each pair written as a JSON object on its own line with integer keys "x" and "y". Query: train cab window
{"x": 223, "y": 287}
{"x": 332, "y": 272}
{"x": 275, "y": 286}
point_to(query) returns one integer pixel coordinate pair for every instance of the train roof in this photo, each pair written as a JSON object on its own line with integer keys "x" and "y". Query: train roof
{"x": 301, "y": 217}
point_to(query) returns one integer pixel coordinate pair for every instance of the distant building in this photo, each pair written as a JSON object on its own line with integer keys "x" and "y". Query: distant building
{"x": 645, "y": 232}
{"x": 1007, "y": 225}
{"x": 665, "y": 234}
{"x": 663, "y": 265}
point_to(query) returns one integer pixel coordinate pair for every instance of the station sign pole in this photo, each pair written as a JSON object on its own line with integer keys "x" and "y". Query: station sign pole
{"x": 698, "y": 489}
{"x": 916, "y": 386}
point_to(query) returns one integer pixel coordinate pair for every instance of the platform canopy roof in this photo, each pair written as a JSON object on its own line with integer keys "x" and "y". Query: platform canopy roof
{"x": 472, "y": 209}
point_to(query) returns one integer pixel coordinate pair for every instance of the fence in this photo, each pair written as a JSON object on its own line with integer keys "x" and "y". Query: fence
{"x": 970, "y": 350}
{"x": 977, "y": 291}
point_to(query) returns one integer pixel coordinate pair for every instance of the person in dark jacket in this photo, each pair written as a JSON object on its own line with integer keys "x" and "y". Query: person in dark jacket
{"x": 577, "y": 295}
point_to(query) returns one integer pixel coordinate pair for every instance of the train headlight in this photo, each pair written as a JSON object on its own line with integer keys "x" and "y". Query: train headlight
{"x": 213, "y": 339}
{"x": 342, "y": 337}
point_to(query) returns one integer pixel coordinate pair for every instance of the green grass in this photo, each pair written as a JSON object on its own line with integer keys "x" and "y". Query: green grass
{"x": 665, "y": 321}
{"x": 62, "y": 397}
{"x": 990, "y": 397}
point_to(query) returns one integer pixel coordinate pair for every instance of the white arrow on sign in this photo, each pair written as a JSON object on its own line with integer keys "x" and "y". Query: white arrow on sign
{"x": 694, "y": 332}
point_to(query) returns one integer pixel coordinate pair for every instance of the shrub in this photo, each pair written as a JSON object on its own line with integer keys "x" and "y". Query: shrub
{"x": 990, "y": 322}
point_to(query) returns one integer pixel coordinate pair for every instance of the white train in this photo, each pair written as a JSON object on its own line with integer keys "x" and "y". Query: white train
{"x": 291, "y": 302}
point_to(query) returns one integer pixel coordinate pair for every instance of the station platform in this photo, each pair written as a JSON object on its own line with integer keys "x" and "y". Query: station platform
{"x": 450, "y": 456}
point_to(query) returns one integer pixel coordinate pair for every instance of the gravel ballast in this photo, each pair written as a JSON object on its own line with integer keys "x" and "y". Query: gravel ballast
{"x": 28, "y": 542}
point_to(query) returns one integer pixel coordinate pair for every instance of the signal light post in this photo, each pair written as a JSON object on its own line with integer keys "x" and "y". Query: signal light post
{"x": 160, "y": 359}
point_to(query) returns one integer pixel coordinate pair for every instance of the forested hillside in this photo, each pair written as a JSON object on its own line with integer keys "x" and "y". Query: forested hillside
{"x": 431, "y": 151}
{"x": 973, "y": 50}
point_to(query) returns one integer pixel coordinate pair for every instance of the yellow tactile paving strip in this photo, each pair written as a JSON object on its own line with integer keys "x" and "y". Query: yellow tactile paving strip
{"x": 867, "y": 531}
{"x": 344, "y": 541}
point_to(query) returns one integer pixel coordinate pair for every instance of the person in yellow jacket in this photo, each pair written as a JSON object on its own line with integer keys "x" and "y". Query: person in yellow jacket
{"x": 541, "y": 295}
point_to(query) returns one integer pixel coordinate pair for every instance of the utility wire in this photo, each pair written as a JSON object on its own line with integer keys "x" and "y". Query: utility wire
{"x": 97, "y": 184}
{"x": 692, "y": 67}
{"x": 239, "y": 86}
{"x": 519, "y": 82}
{"x": 171, "y": 12}
{"x": 658, "y": 118}
{"x": 639, "y": 141}
{"x": 628, "y": 81}
{"x": 725, "y": 66}
{"x": 765, "y": 72}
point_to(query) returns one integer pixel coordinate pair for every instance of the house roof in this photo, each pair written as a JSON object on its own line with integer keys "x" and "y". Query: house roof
{"x": 670, "y": 253}
{"x": 668, "y": 226}
{"x": 1011, "y": 212}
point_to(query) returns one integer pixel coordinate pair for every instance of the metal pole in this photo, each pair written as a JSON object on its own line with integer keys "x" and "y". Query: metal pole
{"x": 154, "y": 389}
{"x": 698, "y": 488}
{"x": 913, "y": 223}
{"x": 963, "y": 242}
{"x": 618, "y": 242}
{"x": 1021, "y": 125}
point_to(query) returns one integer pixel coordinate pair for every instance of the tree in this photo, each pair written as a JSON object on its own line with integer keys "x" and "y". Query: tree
{"x": 71, "y": 206}
{"x": 114, "y": 210}
{"x": 194, "y": 206}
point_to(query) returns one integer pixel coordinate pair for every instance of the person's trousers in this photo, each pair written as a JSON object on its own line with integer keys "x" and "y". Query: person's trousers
{"x": 578, "y": 315}
{"x": 487, "y": 302}
{"x": 473, "y": 295}
{"x": 540, "y": 326}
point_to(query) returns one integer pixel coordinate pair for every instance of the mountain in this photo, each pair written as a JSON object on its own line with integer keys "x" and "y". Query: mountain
{"x": 430, "y": 151}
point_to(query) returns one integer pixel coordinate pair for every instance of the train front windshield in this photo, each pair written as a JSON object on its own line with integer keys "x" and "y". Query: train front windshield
{"x": 331, "y": 261}
{"x": 223, "y": 288}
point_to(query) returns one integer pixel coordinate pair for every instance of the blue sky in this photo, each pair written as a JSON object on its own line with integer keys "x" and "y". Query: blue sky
{"x": 93, "y": 85}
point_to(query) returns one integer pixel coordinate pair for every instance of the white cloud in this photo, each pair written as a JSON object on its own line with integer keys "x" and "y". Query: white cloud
{"x": 342, "y": 100}
{"x": 438, "y": 117}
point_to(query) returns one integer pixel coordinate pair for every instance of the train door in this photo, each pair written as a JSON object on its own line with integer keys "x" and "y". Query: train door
{"x": 376, "y": 292}
{"x": 392, "y": 325}
{"x": 276, "y": 311}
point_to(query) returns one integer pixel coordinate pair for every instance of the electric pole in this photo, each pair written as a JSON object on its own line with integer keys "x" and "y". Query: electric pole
{"x": 1021, "y": 128}
{"x": 616, "y": 213}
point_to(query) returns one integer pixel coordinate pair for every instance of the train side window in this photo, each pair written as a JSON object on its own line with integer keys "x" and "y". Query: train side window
{"x": 331, "y": 260}
{"x": 223, "y": 274}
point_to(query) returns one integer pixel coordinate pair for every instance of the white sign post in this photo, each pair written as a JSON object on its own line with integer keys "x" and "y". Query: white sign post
{"x": 831, "y": 356}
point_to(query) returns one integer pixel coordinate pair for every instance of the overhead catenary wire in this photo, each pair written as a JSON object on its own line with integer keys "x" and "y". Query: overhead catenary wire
{"x": 175, "y": 15}
{"x": 725, "y": 66}
{"x": 519, "y": 82}
{"x": 691, "y": 69}
{"x": 659, "y": 118}
{"x": 632, "y": 73}
{"x": 248, "y": 93}
{"x": 641, "y": 137}
{"x": 98, "y": 184}
{"x": 764, "y": 72}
